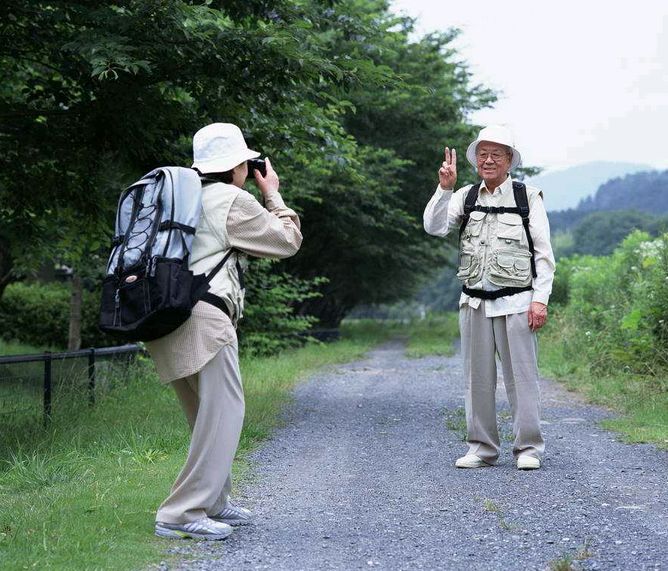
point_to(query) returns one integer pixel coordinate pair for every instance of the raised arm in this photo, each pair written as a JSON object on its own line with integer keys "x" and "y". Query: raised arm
{"x": 443, "y": 212}
{"x": 269, "y": 232}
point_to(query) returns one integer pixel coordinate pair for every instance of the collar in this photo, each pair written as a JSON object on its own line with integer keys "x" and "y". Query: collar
{"x": 506, "y": 185}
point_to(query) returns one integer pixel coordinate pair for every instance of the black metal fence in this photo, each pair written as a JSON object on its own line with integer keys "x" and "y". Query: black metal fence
{"x": 21, "y": 375}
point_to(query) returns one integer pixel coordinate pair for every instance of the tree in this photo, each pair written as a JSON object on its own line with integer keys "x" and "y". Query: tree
{"x": 370, "y": 232}
{"x": 352, "y": 111}
{"x": 600, "y": 233}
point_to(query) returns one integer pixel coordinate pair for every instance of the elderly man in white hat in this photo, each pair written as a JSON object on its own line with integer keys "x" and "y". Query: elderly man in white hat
{"x": 506, "y": 267}
{"x": 200, "y": 358}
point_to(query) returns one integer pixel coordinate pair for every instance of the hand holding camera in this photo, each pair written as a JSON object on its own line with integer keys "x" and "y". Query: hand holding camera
{"x": 266, "y": 181}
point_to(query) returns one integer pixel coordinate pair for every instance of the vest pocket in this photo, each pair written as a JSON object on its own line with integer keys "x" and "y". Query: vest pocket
{"x": 474, "y": 225}
{"x": 469, "y": 267}
{"x": 510, "y": 268}
{"x": 509, "y": 228}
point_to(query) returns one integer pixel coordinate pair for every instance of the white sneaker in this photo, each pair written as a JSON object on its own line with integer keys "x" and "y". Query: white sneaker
{"x": 233, "y": 515}
{"x": 526, "y": 462}
{"x": 471, "y": 461}
{"x": 205, "y": 529}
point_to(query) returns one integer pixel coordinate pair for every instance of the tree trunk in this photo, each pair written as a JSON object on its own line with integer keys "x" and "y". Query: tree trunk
{"x": 6, "y": 265}
{"x": 74, "y": 338}
{"x": 329, "y": 311}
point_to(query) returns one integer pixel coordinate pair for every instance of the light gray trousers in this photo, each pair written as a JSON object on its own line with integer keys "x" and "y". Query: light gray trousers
{"x": 213, "y": 401}
{"x": 509, "y": 336}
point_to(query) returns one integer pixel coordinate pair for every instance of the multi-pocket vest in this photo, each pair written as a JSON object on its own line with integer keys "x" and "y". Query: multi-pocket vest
{"x": 212, "y": 244}
{"x": 495, "y": 244}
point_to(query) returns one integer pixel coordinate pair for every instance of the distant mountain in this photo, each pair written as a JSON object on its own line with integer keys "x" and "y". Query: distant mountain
{"x": 565, "y": 188}
{"x": 643, "y": 191}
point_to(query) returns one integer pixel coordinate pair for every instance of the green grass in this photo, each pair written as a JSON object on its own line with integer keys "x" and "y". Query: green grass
{"x": 455, "y": 420}
{"x": 434, "y": 335}
{"x": 564, "y": 563}
{"x": 16, "y": 348}
{"x": 641, "y": 400}
{"x": 82, "y": 494}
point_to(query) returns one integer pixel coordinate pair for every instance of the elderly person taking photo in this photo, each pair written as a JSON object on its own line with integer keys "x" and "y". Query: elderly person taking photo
{"x": 200, "y": 359}
{"x": 506, "y": 266}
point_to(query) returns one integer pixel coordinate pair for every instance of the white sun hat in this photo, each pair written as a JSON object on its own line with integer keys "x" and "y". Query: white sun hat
{"x": 495, "y": 134}
{"x": 220, "y": 147}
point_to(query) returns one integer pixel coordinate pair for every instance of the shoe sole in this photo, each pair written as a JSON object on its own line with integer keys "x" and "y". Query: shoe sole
{"x": 177, "y": 534}
{"x": 482, "y": 464}
{"x": 528, "y": 468}
{"x": 233, "y": 522}
{"x": 474, "y": 467}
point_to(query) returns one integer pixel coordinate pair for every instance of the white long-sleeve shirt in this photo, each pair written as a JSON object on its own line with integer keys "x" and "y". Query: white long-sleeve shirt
{"x": 444, "y": 213}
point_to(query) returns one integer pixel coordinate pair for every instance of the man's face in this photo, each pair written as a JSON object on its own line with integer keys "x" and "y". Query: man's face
{"x": 493, "y": 161}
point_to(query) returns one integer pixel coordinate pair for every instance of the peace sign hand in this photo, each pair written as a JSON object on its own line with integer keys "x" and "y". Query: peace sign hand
{"x": 447, "y": 174}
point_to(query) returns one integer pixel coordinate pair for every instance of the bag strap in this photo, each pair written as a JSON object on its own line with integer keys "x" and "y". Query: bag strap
{"x": 522, "y": 203}
{"x": 469, "y": 205}
{"x": 521, "y": 208}
{"x": 216, "y": 302}
{"x": 219, "y": 265}
{"x": 496, "y": 294}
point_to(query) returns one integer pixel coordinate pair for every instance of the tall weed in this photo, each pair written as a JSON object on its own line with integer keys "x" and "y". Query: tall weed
{"x": 608, "y": 335}
{"x": 617, "y": 310}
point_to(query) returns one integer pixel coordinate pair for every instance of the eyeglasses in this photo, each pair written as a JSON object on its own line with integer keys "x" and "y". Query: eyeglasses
{"x": 496, "y": 156}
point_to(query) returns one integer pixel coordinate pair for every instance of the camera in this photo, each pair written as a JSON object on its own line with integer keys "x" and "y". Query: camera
{"x": 258, "y": 164}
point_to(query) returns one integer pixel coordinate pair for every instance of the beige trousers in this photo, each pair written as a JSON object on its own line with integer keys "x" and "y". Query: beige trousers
{"x": 213, "y": 401}
{"x": 508, "y": 336}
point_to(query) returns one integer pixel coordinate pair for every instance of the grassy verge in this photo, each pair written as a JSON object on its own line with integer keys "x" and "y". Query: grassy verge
{"x": 15, "y": 348}
{"x": 82, "y": 494}
{"x": 434, "y": 335}
{"x": 642, "y": 400}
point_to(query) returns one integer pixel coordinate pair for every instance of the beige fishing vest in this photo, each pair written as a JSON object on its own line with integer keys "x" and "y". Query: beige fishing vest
{"x": 212, "y": 243}
{"x": 495, "y": 247}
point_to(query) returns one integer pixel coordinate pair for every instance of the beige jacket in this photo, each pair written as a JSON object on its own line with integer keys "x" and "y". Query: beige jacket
{"x": 231, "y": 218}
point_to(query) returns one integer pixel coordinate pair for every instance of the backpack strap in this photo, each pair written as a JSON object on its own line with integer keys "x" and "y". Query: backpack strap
{"x": 216, "y": 302}
{"x": 219, "y": 265}
{"x": 522, "y": 203}
{"x": 496, "y": 294}
{"x": 469, "y": 206}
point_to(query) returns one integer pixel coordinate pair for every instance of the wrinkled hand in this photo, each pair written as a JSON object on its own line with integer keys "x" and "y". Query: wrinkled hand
{"x": 537, "y": 315}
{"x": 447, "y": 174}
{"x": 268, "y": 183}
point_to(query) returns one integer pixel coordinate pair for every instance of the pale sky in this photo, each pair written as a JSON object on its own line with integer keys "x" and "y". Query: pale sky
{"x": 578, "y": 81}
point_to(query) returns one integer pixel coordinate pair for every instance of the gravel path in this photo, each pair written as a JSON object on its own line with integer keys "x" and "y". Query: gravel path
{"x": 362, "y": 477}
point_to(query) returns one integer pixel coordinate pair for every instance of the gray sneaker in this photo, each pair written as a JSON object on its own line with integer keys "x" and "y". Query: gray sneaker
{"x": 233, "y": 515}
{"x": 205, "y": 529}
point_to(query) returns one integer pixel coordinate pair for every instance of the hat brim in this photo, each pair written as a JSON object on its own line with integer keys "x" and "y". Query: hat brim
{"x": 224, "y": 164}
{"x": 515, "y": 162}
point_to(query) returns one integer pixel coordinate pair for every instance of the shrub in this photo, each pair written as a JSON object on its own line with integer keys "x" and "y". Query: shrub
{"x": 562, "y": 278}
{"x": 618, "y": 305}
{"x": 270, "y": 324}
{"x": 38, "y": 314}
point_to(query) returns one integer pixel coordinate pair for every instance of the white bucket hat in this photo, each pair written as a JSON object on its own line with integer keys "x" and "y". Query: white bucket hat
{"x": 220, "y": 147}
{"x": 495, "y": 134}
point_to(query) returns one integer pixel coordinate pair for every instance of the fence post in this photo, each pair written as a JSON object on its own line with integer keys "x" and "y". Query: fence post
{"x": 91, "y": 377}
{"x": 47, "y": 388}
